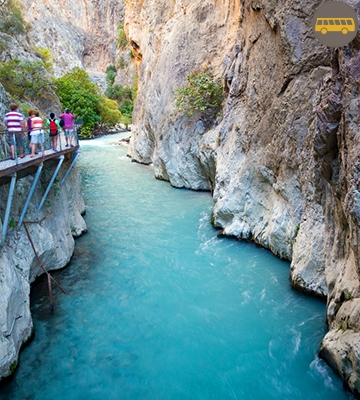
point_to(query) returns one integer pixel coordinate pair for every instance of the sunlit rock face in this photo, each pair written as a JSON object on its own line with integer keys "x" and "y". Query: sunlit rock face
{"x": 283, "y": 163}
{"x": 78, "y": 33}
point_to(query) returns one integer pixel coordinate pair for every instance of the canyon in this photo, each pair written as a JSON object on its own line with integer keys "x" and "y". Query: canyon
{"x": 282, "y": 162}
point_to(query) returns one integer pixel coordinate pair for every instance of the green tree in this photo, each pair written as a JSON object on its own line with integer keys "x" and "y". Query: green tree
{"x": 124, "y": 97}
{"x": 76, "y": 91}
{"x": 110, "y": 115}
{"x": 119, "y": 92}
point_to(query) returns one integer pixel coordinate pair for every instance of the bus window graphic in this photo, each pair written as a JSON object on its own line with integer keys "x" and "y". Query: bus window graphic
{"x": 343, "y": 25}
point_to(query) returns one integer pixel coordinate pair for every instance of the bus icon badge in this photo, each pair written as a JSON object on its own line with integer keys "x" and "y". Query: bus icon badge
{"x": 335, "y": 24}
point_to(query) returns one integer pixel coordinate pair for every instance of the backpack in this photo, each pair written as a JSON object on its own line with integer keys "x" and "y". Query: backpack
{"x": 61, "y": 123}
{"x": 53, "y": 127}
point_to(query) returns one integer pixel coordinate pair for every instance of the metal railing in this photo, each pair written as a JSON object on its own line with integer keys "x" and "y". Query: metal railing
{"x": 6, "y": 138}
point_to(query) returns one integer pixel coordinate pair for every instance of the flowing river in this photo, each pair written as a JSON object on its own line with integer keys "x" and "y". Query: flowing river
{"x": 159, "y": 307}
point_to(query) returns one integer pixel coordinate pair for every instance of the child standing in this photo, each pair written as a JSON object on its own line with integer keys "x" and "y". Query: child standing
{"x": 53, "y": 128}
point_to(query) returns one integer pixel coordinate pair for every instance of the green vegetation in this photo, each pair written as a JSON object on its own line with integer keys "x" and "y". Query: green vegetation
{"x": 122, "y": 62}
{"x": 109, "y": 112}
{"x": 13, "y": 367}
{"x": 12, "y": 223}
{"x": 124, "y": 99}
{"x": 11, "y": 22}
{"x": 202, "y": 95}
{"x": 123, "y": 96}
{"x": 46, "y": 57}
{"x": 28, "y": 81}
{"x": 56, "y": 188}
{"x": 24, "y": 79}
{"x": 11, "y": 19}
{"x": 76, "y": 91}
{"x": 110, "y": 74}
{"x": 122, "y": 41}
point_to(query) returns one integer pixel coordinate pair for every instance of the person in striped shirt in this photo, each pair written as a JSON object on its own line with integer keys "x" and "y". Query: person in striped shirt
{"x": 15, "y": 124}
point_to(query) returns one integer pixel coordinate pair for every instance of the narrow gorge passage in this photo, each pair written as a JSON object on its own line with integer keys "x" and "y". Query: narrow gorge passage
{"x": 159, "y": 307}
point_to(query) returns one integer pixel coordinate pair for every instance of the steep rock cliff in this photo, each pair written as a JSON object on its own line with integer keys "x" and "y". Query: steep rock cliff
{"x": 53, "y": 240}
{"x": 283, "y": 162}
{"x": 54, "y": 243}
{"x": 79, "y": 33}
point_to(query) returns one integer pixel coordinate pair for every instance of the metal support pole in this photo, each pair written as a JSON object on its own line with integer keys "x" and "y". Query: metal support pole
{"x": 61, "y": 159}
{"x": 50, "y": 278}
{"x": 32, "y": 189}
{"x": 70, "y": 168}
{"x": 8, "y": 208}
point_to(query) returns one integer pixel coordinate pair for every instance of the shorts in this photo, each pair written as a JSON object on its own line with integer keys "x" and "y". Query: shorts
{"x": 54, "y": 134}
{"x": 69, "y": 133}
{"x": 18, "y": 137}
{"x": 37, "y": 136}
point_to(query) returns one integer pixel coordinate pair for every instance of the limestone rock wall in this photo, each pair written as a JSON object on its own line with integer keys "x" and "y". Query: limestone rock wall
{"x": 79, "y": 33}
{"x": 283, "y": 162}
{"x": 54, "y": 242}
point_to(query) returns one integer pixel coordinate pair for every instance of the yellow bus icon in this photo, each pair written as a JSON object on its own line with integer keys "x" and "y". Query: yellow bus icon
{"x": 343, "y": 25}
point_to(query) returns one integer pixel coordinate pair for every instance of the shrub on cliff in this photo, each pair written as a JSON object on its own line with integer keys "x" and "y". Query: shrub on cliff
{"x": 201, "y": 95}
{"x": 11, "y": 22}
{"x": 122, "y": 40}
{"x": 46, "y": 57}
{"x": 11, "y": 19}
{"x": 110, "y": 74}
{"x": 24, "y": 79}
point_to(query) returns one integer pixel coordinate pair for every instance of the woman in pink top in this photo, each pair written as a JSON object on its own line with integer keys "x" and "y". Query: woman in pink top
{"x": 37, "y": 133}
{"x": 68, "y": 126}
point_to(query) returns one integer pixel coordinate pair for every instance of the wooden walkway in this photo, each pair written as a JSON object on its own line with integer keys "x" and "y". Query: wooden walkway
{"x": 12, "y": 170}
{"x": 8, "y": 166}
{"x": 23, "y": 166}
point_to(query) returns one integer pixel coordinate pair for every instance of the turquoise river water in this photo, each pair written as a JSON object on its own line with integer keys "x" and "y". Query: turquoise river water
{"x": 159, "y": 307}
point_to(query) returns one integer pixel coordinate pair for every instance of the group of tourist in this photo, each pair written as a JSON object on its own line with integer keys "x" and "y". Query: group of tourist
{"x": 16, "y": 125}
